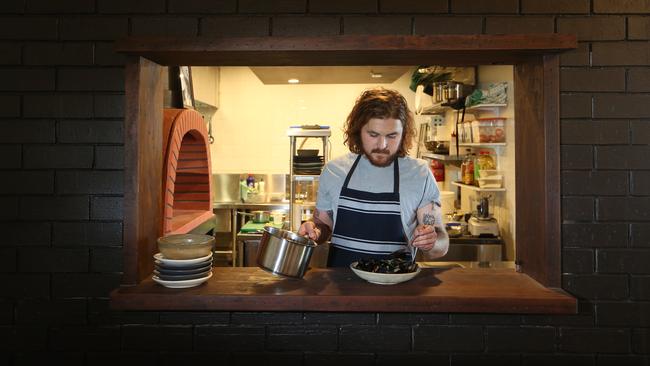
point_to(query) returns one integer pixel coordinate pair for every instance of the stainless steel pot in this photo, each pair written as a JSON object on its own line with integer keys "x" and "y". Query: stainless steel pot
{"x": 284, "y": 253}
{"x": 259, "y": 217}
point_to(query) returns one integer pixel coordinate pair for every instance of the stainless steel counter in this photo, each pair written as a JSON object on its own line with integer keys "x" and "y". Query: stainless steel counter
{"x": 267, "y": 206}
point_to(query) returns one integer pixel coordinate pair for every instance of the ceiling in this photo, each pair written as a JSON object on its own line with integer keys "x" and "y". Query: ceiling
{"x": 330, "y": 74}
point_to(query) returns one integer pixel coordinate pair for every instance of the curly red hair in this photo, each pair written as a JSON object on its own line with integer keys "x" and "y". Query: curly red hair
{"x": 379, "y": 103}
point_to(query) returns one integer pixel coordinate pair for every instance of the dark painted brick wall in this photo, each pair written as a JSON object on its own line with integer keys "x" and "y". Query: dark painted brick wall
{"x": 61, "y": 117}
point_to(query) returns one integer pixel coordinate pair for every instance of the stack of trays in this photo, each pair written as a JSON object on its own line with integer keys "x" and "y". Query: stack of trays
{"x": 182, "y": 273}
{"x": 308, "y": 164}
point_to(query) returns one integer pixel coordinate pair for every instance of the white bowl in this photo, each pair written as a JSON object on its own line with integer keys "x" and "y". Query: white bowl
{"x": 384, "y": 278}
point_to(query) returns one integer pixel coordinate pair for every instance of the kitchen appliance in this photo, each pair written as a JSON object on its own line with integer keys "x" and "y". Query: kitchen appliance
{"x": 482, "y": 223}
{"x": 284, "y": 253}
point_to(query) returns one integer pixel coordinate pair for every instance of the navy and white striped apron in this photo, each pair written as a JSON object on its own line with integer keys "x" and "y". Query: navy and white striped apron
{"x": 368, "y": 225}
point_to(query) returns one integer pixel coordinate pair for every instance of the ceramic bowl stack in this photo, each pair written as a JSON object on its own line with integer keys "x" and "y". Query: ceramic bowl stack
{"x": 184, "y": 260}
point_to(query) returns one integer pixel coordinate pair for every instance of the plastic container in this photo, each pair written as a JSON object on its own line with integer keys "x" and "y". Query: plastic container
{"x": 495, "y": 181}
{"x": 447, "y": 202}
{"x": 489, "y": 129}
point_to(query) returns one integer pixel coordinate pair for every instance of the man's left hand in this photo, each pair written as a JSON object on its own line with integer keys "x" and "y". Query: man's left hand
{"x": 424, "y": 237}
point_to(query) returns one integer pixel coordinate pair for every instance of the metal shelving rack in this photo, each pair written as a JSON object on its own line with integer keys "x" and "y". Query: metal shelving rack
{"x": 296, "y": 133}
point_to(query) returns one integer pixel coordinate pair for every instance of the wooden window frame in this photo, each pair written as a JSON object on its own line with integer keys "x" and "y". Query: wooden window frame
{"x": 535, "y": 58}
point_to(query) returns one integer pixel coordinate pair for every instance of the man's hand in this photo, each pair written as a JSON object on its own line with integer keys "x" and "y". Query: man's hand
{"x": 309, "y": 229}
{"x": 424, "y": 237}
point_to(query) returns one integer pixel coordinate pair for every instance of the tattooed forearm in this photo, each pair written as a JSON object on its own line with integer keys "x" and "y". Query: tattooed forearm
{"x": 323, "y": 221}
{"x": 428, "y": 218}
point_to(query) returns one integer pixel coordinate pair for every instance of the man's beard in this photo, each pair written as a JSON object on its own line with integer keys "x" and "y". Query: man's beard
{"x": 383, "y": 162}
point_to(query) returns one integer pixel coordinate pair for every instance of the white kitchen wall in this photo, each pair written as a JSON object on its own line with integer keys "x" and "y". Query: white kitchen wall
{"x": 250, "y": 126}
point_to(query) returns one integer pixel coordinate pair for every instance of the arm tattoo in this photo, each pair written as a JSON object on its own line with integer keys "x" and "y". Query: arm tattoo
{"x": 428, "y": 219}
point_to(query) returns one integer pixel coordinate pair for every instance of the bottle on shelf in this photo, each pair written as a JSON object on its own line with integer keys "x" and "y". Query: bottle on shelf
{"x": 250, "y": 181}
{"x": 261, "y": 186}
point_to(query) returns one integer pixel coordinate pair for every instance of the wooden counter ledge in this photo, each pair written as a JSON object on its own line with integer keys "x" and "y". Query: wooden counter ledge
{"x": 473, "y": 290}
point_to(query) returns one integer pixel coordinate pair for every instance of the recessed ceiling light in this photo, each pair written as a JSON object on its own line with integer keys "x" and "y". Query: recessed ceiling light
{"x": 293, "y": 81}
{"x": 376, "y": 75}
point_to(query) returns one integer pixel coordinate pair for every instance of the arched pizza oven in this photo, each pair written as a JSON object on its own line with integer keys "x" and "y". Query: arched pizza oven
{"x": 186, "y": 171}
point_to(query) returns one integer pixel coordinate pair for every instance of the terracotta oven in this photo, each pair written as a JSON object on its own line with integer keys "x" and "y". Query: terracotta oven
{"x": 186, "y": 171}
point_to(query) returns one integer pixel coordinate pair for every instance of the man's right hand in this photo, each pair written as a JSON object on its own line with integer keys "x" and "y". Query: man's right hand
{"x": 309, "y": 229}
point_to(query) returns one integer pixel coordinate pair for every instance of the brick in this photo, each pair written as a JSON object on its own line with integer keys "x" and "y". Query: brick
{"x": 302, "y": 338}
{"x": 339, "y": 318}
{"x": 349, "y": 358}
{"x": 640, "y": 132}
{"x": 10, "y": 208}
{"x": 51, "y": 312}
{"x": 108, "y": 106}
{"x": 623, "y": 261}
{"x": 409, "y": 318}
{"x": 105, "y": 55}
{"x": 109, "y": 157}
{"x": 640, "y": 235}
{"x": 519, "y": 24}
{"x": 8, "y": 260}
{"x": 376, "y": 25}
{"x": 374, "y": 338}
{"x": 621, "y": 208}
{"x": 26, "y": 131}
{"x": 555, "y": 6}
{"x": 638, "y": 28}
{"x": 235, "y": 26}
{"x": 21, "y": 79}
{"x": 485, "y": 359}
{"x": 638, "y": 80}
{"x": 106, "y": 208}
{"x": 11, "y": 53}
{"x": 622, "y": 106}
{"x": 12, "y": 6}
{"x": 601, "y": 183}
{"x": 593, "y": 132}
{"x": 576, "y": 157}
{"x": 58, "y": 106}
{"x": 67, "y": 285}
{"x": 628, "y": 314}
{"x": 280, "y": 6}
{"x": 606, "y": 340}
{"x": 9, "y": 106}
{"x": 203, "y": 6}
{"x": 25, "y": 286}
{"x": 27, "y": 182}
{"x": 305, "y": 26}
{"x": 269, "y": 358}
{"x": 578, "y": 57}
{"x": 107, "y": 260}
{"x": 176, "y": 26}
{"x": 584, "y": 318}
{"x": 620, "y": 53}
{"x": 229, "y": 337}
{"x": 399, "y": 358}
{"x": 92, "y": 234}
{"x": 59, "y": 53}
{"x": 557, "y": 359}
{"x": 54, "y": 208}
{"x": 641, "y": 341}
{"x": 57, "y": 156}
{"x": 131, "y": 7}
{"x": 90, "y": 182}
{"x": 28, "y": 28}
{"x": 11, "y": 156}
{"x": 266, "y": 318}
{"x": 593, "y": 28}
{"x": 89, "y": 131}
{"x": 578, "y": 209}
{"x": 58, "y": 7}
{"x": 596, "y": 287}
{"x": 577, "y": 261}
{"x": 195, "y": 318}
{"x": 150, "y": 338}
{"x": 485, "y": 7}
{"x": 413, "y": 6}
{"x": 520, "y": 339}
{"x": 575, "y": 105}
{"x": 640, "y": 183}
{"x": 343, "y": 6}
{"x": 6, "y": 312}
{"x": 617, "y": 6}
{"x": 622, "y": 157}
{"x": 448, "y": 338}
{"x": 485, "y": 319}
{"x": 119, "y": 358}
{"x": 615, "y": 360}
{"x": 14, "y": 233}
{"x": 94, "y": 28}
{"x": 448, "y": 25}
{"x": 100, "y": 314}
{"x": 28, "y": 339}
{"x": 91, "y": 79}
{"x": 592, "y": 79}
{"x": 79, "y": 338}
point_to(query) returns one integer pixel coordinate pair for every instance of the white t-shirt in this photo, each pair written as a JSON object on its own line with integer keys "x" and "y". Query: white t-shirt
{"x": 417, "y": 185}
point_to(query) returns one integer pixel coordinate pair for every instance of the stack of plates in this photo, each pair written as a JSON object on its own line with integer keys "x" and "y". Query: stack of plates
{"x": 182, "y": 273}
{"x": 308, "y": 164}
